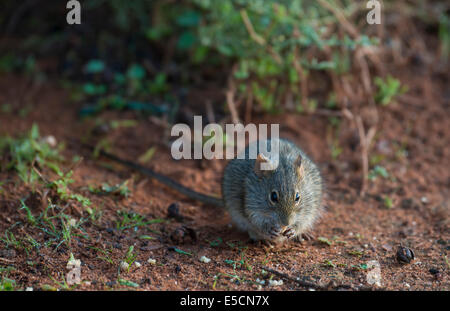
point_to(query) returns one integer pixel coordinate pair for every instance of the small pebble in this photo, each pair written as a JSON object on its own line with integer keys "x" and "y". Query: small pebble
{"x": 275, "y": 282}
{"x": 137, "y": 264}
{"x": 124, "y": 265}
{"x": 433, "y": 271}
{"x": 73, "y": 263}
{"x": 151, "y": 261}
{"x": 204, "y": 259}
{"x": 29, "y": 289}
{"x": 51, "y": 140}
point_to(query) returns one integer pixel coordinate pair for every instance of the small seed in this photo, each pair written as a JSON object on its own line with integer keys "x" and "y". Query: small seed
{"x": 404, "y": 255}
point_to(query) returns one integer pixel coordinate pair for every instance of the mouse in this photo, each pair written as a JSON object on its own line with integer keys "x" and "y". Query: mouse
{"x": 272, "y": 205}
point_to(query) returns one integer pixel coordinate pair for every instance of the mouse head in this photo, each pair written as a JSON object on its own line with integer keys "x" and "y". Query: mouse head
{"x": 275, "y": 195}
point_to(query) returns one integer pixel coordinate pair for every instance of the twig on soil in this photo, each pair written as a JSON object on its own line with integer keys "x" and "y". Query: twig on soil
{"x": 296, "y": 280}
{"x": 6, "y": 260}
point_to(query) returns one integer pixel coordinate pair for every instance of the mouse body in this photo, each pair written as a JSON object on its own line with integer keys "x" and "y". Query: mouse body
{"x": 273, "y": 205}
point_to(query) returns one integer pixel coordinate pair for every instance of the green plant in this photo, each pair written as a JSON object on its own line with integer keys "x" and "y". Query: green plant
{"x": 133, "y": 220}
{"x": 131, "y": 256}
{"x": 378, "y": 171}
{"x": 7, "y": 284}
{"x": 29, "y": 151}
{"x": 61, "y": 185}
{"x": 266, "y": 42}
{"x": 388, "y": 89}
{"x": 119, "y": 189}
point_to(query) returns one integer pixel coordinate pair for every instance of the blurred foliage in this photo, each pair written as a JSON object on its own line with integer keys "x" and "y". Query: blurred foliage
{"x": 143, "y": 55}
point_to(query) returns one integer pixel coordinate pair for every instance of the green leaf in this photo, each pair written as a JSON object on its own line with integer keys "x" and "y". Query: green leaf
{"x": 179, "y": 251}
{"x": 136, "y": 72}
{"x": 95, "y": 66}
{"x": 188, "y": 19}
{"x": 186, "y": 40}
{"x": 128, "y": 283}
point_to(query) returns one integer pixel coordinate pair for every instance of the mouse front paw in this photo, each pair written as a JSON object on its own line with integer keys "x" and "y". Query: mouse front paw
{"x": 274, "y": 232}
{"x": 289, "y": 232}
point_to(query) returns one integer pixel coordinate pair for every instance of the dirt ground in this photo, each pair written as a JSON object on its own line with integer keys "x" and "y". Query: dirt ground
{"x": 413, "y": 139}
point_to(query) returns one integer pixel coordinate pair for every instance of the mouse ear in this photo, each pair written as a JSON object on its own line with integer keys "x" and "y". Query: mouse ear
{"x": 299, "y": 165}
{"x": 260, "y": 160}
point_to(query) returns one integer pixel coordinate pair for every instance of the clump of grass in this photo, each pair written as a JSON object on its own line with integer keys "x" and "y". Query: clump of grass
{"x": 378, "y": 171}
{"x": 104, "y": 255}
{"x": 133, "y": 220}
{"x": 324, "y": 241}
{"x": 131, "y": 256}
{"x": 61, "y": 185}
{"x": 388, "y": 203}
{"x": 119, "y": 189}
{"x": 242, "y": 263}
{"x": 7, "y": 284}
{"x": 28, "y": 151}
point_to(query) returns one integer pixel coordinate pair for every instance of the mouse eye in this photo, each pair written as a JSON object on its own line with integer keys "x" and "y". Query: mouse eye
{"x": 274, "y": 196}
{"x": 297, "y": 197}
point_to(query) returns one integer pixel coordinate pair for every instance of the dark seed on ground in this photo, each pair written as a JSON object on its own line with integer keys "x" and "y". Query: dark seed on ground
{"x": 173, "y": 211}
{"x": 404, "y": 255}
{"x": 434, "y": 271}
{"x": 183, "y": 235}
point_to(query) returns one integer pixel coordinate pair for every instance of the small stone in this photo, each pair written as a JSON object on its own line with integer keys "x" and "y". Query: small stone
{"x": 151, "y": 261}
{"x": 434, "y": 271}
{"x": 137, "y": 264}
{"x": 124, "y": 265}
{"x": 386, "y": 247}
{"x": 173, "y": 211}
{"x": 408, "y": 203}
{"x": 275, "y": 282}
{"x": 424, "y": 200}
{"x": 51, "y": 140}
{"x": 29, "y": 289}
{"x": 204, "y": 259}
{"x": 183, "y": 234}
{"x": 73, "y": 264}
{"x": 111, "y": 283}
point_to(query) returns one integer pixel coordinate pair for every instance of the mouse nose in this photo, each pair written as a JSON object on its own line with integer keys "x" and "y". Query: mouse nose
{"x": 286, "y": 220}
